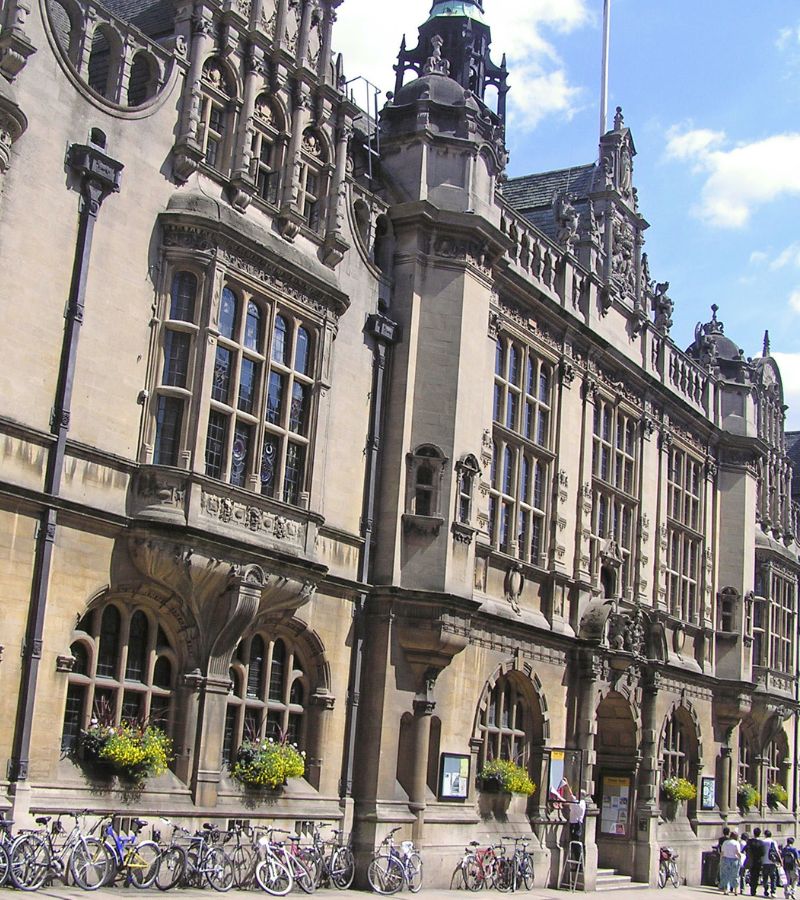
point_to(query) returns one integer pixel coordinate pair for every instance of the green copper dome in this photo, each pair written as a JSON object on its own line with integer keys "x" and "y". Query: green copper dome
{"x": 469, "y": 9}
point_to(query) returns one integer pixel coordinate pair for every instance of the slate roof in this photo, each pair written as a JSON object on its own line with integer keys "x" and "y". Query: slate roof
{"x": 155, "y": 18}
{"x": 536, "y": 191}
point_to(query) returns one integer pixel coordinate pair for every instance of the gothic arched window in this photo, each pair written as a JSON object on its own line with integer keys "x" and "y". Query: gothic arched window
{"x": 270, "y": 687}
{"x": 124, "y": 670}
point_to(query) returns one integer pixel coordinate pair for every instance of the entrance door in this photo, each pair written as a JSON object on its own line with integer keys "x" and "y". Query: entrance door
{"x": 615, "y": 782}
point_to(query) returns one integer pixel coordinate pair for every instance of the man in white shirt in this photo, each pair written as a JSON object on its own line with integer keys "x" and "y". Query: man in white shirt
{"x": 577, "y": 811}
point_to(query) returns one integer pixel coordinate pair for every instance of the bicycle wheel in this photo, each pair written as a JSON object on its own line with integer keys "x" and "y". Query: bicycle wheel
{"x": 504, "y": 874}
{"x": 273, "y": 877}
{"x": 343, "y": 868}
{"x": 414, "y": 872}
{"x": 91, "y": 864}
{"x": 303, "y": 875}
{"x": 472, "y": 873}
{"x": 29, "y": 862}
{"x": 312, "y": 859}
{"x": 526, "y": 870}
{"x": 674, "y": 877}
{"x": 171, "y": 868}
{"x": 385, "y": 875}
{"x": 218, "y": 869}
{"x": 662, "y": 873}
{"x": 142, "y": 861}
{"x": 243, "y": 860}
{"x": 4, "y": 865}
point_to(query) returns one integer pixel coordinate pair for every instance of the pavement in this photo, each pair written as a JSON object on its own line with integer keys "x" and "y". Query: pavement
{"x": 632, "y": 892}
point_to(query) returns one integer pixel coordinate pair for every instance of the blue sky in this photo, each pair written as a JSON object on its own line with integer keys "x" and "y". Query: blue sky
{"x": 711, "y": 92}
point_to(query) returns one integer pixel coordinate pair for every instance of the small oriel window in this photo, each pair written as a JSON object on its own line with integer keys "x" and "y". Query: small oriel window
{"x": 467, "y": 470}
{"x": 423, "y": 488}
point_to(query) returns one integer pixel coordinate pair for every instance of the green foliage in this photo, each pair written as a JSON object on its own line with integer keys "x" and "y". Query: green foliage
{"x": 777, "y": 795}
{"x": 268, "y": 763}
{"x": 675, "y": 788}
{"x": 130, "y": 749}
{"x": 509, "y": 775}
{"x": 747, "y": 796}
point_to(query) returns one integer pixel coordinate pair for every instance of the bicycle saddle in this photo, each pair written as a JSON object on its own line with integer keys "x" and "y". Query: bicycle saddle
{"x": 43, "y": 820}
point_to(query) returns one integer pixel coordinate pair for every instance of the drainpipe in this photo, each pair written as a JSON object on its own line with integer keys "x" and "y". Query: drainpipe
{"x": 99, "y": 176}
{"x": 384, "y": 332}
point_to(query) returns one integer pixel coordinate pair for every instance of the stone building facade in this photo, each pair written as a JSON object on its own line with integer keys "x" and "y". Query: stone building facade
{"x": 320, "y": 426}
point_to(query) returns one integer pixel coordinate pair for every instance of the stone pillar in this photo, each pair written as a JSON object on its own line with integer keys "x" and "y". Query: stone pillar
{"x": 290, "y": 217}
{"x": 321, "y": 704}
{"x": 423, "y": 710}
{"x": 241, "y": 181}
{"x": 584, "y": 736}
{"x": 214, "y": 692}
{"x": 645, "y": 863}
{"x": 187, "y": 153}
{"x": 335, "y": 244}
{"x": 724, "y": 794}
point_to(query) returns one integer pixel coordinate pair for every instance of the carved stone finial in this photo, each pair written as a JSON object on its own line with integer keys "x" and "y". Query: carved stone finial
{"x": 619, "y": 121}
{"x": 765, "y": 350}
{"x": 436, "y": 64}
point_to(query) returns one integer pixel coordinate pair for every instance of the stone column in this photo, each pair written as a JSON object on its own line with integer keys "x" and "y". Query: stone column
{"x": 241, "y": 180}
{"x": 645, "y": 866}
{"x": 214, "y": 692}
{"x": 584, "y": 737}
{"x": 187, "y": 153}
{"x": 335, "y": 244}
{"x": 423, "y": 710}
{"x": 290, "y": 217}
{"x": 724, "y": 794}
{"x": 320, "y": 706}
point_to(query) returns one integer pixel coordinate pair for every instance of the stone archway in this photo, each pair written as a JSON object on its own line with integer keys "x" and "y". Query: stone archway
{"x": 616, "y": 749}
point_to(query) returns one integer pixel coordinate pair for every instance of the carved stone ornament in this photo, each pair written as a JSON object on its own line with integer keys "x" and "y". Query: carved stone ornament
{"x": 436, "y": 64}
{"x": 627, "y": 632}
{"x": 663, "y": 308}
{"x": 623, "y": 271}
{"x": 566, "y": 218}
{"x": 13, "y": 123}
{"x": 258, "y": 265}
{"x": 513, "y": 585}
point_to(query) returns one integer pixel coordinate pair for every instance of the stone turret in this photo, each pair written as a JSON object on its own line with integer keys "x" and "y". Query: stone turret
{"x": 464, "y": 39}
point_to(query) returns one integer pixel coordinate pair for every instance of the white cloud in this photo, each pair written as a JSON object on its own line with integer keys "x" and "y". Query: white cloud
{"x": 369, "y": 40}
{"x": 794, "y": 300}
{"x": 693, "y": 145}
{"x": 789, "y": 256}
{"x": 789, "y": 364}
{"x": 757, "y": 257}
{"x": 786, "y": 37}
{"x": 738, "y": 179}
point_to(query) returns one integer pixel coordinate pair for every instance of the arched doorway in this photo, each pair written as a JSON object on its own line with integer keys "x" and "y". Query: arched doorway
{"x": 615, "y": 781}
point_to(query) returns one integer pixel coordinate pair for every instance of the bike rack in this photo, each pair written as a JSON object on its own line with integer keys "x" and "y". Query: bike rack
{"x": 573, "y": 867}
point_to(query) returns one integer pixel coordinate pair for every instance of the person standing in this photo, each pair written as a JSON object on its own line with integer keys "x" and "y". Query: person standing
{"x": 577, "y": 811}
{"x": 730, "y": 861}
{"x": 755, "y": 853}
{"x": 769, "y": 864}
{"x": 789, "y": 858}
{"x": 745, "y": 837}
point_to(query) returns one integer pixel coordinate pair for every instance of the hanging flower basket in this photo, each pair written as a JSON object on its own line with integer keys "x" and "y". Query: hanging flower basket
{"x": 677, "y": 789}
{"x": 130, "y": 750}
{"x": 268, "y": 763}
{"x": 747, "y": 797}
{"x": 777, "y": 795}
{"x": 502, "y": 775}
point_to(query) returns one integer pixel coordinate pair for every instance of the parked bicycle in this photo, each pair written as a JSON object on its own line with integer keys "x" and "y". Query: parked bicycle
{"x": 238, "y": 844}
{"x": 334, "y": 862}
{"x": 668, "y": 867}
{"x": 480, "y": 866}
{"x": 36, "y": 857}
{"x": 134, "y": 861}
{"x": 194, "y": 859}
{"x": 521, "y": 869}
{"x": 272, "y": 874}
{"x": 391, "y": 868}
{"x": 5, "y": 844}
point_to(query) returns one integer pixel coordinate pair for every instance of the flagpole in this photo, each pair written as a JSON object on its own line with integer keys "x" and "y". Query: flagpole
{"x": 604, "y": 68}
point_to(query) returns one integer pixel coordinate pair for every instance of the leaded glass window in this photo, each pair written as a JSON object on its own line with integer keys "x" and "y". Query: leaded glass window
{"x": 522, "y": 461}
